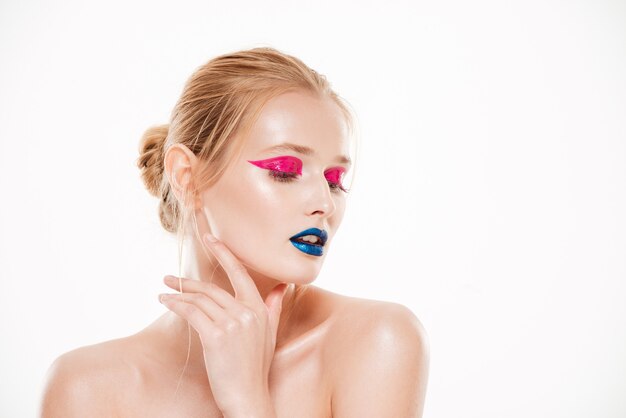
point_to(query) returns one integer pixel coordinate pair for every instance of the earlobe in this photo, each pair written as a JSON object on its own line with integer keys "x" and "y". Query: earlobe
{"x": 180, "y": 164}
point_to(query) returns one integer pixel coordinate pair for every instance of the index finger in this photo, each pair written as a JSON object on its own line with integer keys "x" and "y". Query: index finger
{"x": 244, "y": 286}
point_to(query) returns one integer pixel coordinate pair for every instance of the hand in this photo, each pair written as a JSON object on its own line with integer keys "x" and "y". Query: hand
{"x": 238, "y": 334}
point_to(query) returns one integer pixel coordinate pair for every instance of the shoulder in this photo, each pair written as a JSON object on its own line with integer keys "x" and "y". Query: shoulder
{"x": 379, "y": 355}
{"x": 373, "y": 323}
{"x": 81, "y": 380}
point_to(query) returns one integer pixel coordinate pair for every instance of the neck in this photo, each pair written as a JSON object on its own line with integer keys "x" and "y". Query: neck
{"x": 201, "y": 266}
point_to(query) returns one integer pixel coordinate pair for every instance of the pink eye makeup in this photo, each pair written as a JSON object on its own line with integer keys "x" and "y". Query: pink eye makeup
{"x": 334, "y": 176}
{"x": 286, "y": 169}
{"x": 290, "y": 165}
{"x": 283, "y": 169}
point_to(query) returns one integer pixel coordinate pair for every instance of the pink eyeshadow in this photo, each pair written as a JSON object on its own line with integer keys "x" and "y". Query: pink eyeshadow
{"x": 284, "y": 164}
{"x": 334, "y": 175}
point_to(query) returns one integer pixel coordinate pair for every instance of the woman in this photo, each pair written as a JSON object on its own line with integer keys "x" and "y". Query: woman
{"x": 249, "y": 175}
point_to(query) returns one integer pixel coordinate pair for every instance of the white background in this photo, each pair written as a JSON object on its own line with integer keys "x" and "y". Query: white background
{"x": 490, "y": 193}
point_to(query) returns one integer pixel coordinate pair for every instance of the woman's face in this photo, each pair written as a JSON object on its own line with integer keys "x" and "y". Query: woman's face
{"x": 288, "y": 179}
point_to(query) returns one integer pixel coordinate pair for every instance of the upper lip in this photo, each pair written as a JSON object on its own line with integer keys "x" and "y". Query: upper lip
{"x": 313, "y": 231}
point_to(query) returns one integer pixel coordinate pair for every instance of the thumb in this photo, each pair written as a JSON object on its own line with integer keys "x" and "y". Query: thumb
{"x": 274, "y": 303}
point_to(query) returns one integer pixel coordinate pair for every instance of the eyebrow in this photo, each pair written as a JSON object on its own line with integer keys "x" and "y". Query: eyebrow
{"x": 304, "y": 150}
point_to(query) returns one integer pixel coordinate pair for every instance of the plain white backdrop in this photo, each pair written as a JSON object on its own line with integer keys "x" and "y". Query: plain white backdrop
{"x": 490, "y": 192}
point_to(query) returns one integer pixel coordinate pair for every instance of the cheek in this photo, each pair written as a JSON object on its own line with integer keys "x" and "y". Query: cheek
{"x": 247, "y": 213}
{"x": 257, "y": 200}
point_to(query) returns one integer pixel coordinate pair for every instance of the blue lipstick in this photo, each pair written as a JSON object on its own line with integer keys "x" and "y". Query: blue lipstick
{"x": 316, "y": 249}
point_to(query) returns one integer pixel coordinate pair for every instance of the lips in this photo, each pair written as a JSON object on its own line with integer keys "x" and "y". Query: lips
{"x": 320, "y": 233}
{"x": 310, "y": 248}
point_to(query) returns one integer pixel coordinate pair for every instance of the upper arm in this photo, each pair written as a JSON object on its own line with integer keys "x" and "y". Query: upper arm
{"x": 381, "y": 369}
{"x": 69, "y": 391}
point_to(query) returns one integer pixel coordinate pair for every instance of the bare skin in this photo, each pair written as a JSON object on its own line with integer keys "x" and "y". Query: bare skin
{"x": 136, "y": 376}
{"x": 334, "y": 355}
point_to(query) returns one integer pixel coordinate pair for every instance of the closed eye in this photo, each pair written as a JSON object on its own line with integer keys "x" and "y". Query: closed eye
{"x": 282, "y": 176}
{"x": 334, "y": 176}
{"x": 286, "y": 169}
{"x": 284, "y": 164}
{"x": 285, "y": 177}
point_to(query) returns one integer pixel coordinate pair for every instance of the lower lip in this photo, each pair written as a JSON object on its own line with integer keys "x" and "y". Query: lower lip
{"x": 310, "y": 249}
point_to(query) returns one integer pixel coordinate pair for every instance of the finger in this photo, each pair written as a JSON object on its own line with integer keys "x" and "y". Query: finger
{"x": 244, "y": 286}
{"x": 191, "y": 313}
{"x": 207, "y": 305}
{"x": 219, "y": 295}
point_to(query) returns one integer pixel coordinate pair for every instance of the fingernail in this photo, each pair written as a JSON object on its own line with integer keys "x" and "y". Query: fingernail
{"x": 164, "y": 297}
{"x": 210, "y": 237}
{"x": 169, "y": 279}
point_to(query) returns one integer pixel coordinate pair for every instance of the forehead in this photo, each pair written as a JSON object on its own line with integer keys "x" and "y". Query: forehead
{"x": 301, "y": 118}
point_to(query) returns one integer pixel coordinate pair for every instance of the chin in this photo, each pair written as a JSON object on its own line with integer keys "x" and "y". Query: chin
{"x": 296, "y": 273}
{"x": 283, "y": 264}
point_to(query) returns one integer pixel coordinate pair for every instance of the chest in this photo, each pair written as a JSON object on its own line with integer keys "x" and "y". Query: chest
{"x": 298, "y": 387}
{"x": 301, "y": 390}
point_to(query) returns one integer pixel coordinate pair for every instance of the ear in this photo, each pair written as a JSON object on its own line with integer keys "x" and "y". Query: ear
{"x": 180, "y": 165}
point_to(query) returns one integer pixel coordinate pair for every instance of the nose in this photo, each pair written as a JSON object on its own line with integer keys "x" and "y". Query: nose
{"x": 320, "y": 201}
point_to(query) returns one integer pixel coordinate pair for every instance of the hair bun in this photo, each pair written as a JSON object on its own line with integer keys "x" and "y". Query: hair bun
{"x": 151, "y": 157}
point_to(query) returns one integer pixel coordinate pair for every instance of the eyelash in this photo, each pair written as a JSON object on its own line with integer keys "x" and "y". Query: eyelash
{"x": 285, "y": 177}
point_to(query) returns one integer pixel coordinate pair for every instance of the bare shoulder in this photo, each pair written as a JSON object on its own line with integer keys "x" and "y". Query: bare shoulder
{"x": 378, "y": 354}
{"x": 360, "y": 321}
{"x": 81, "y": 380}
